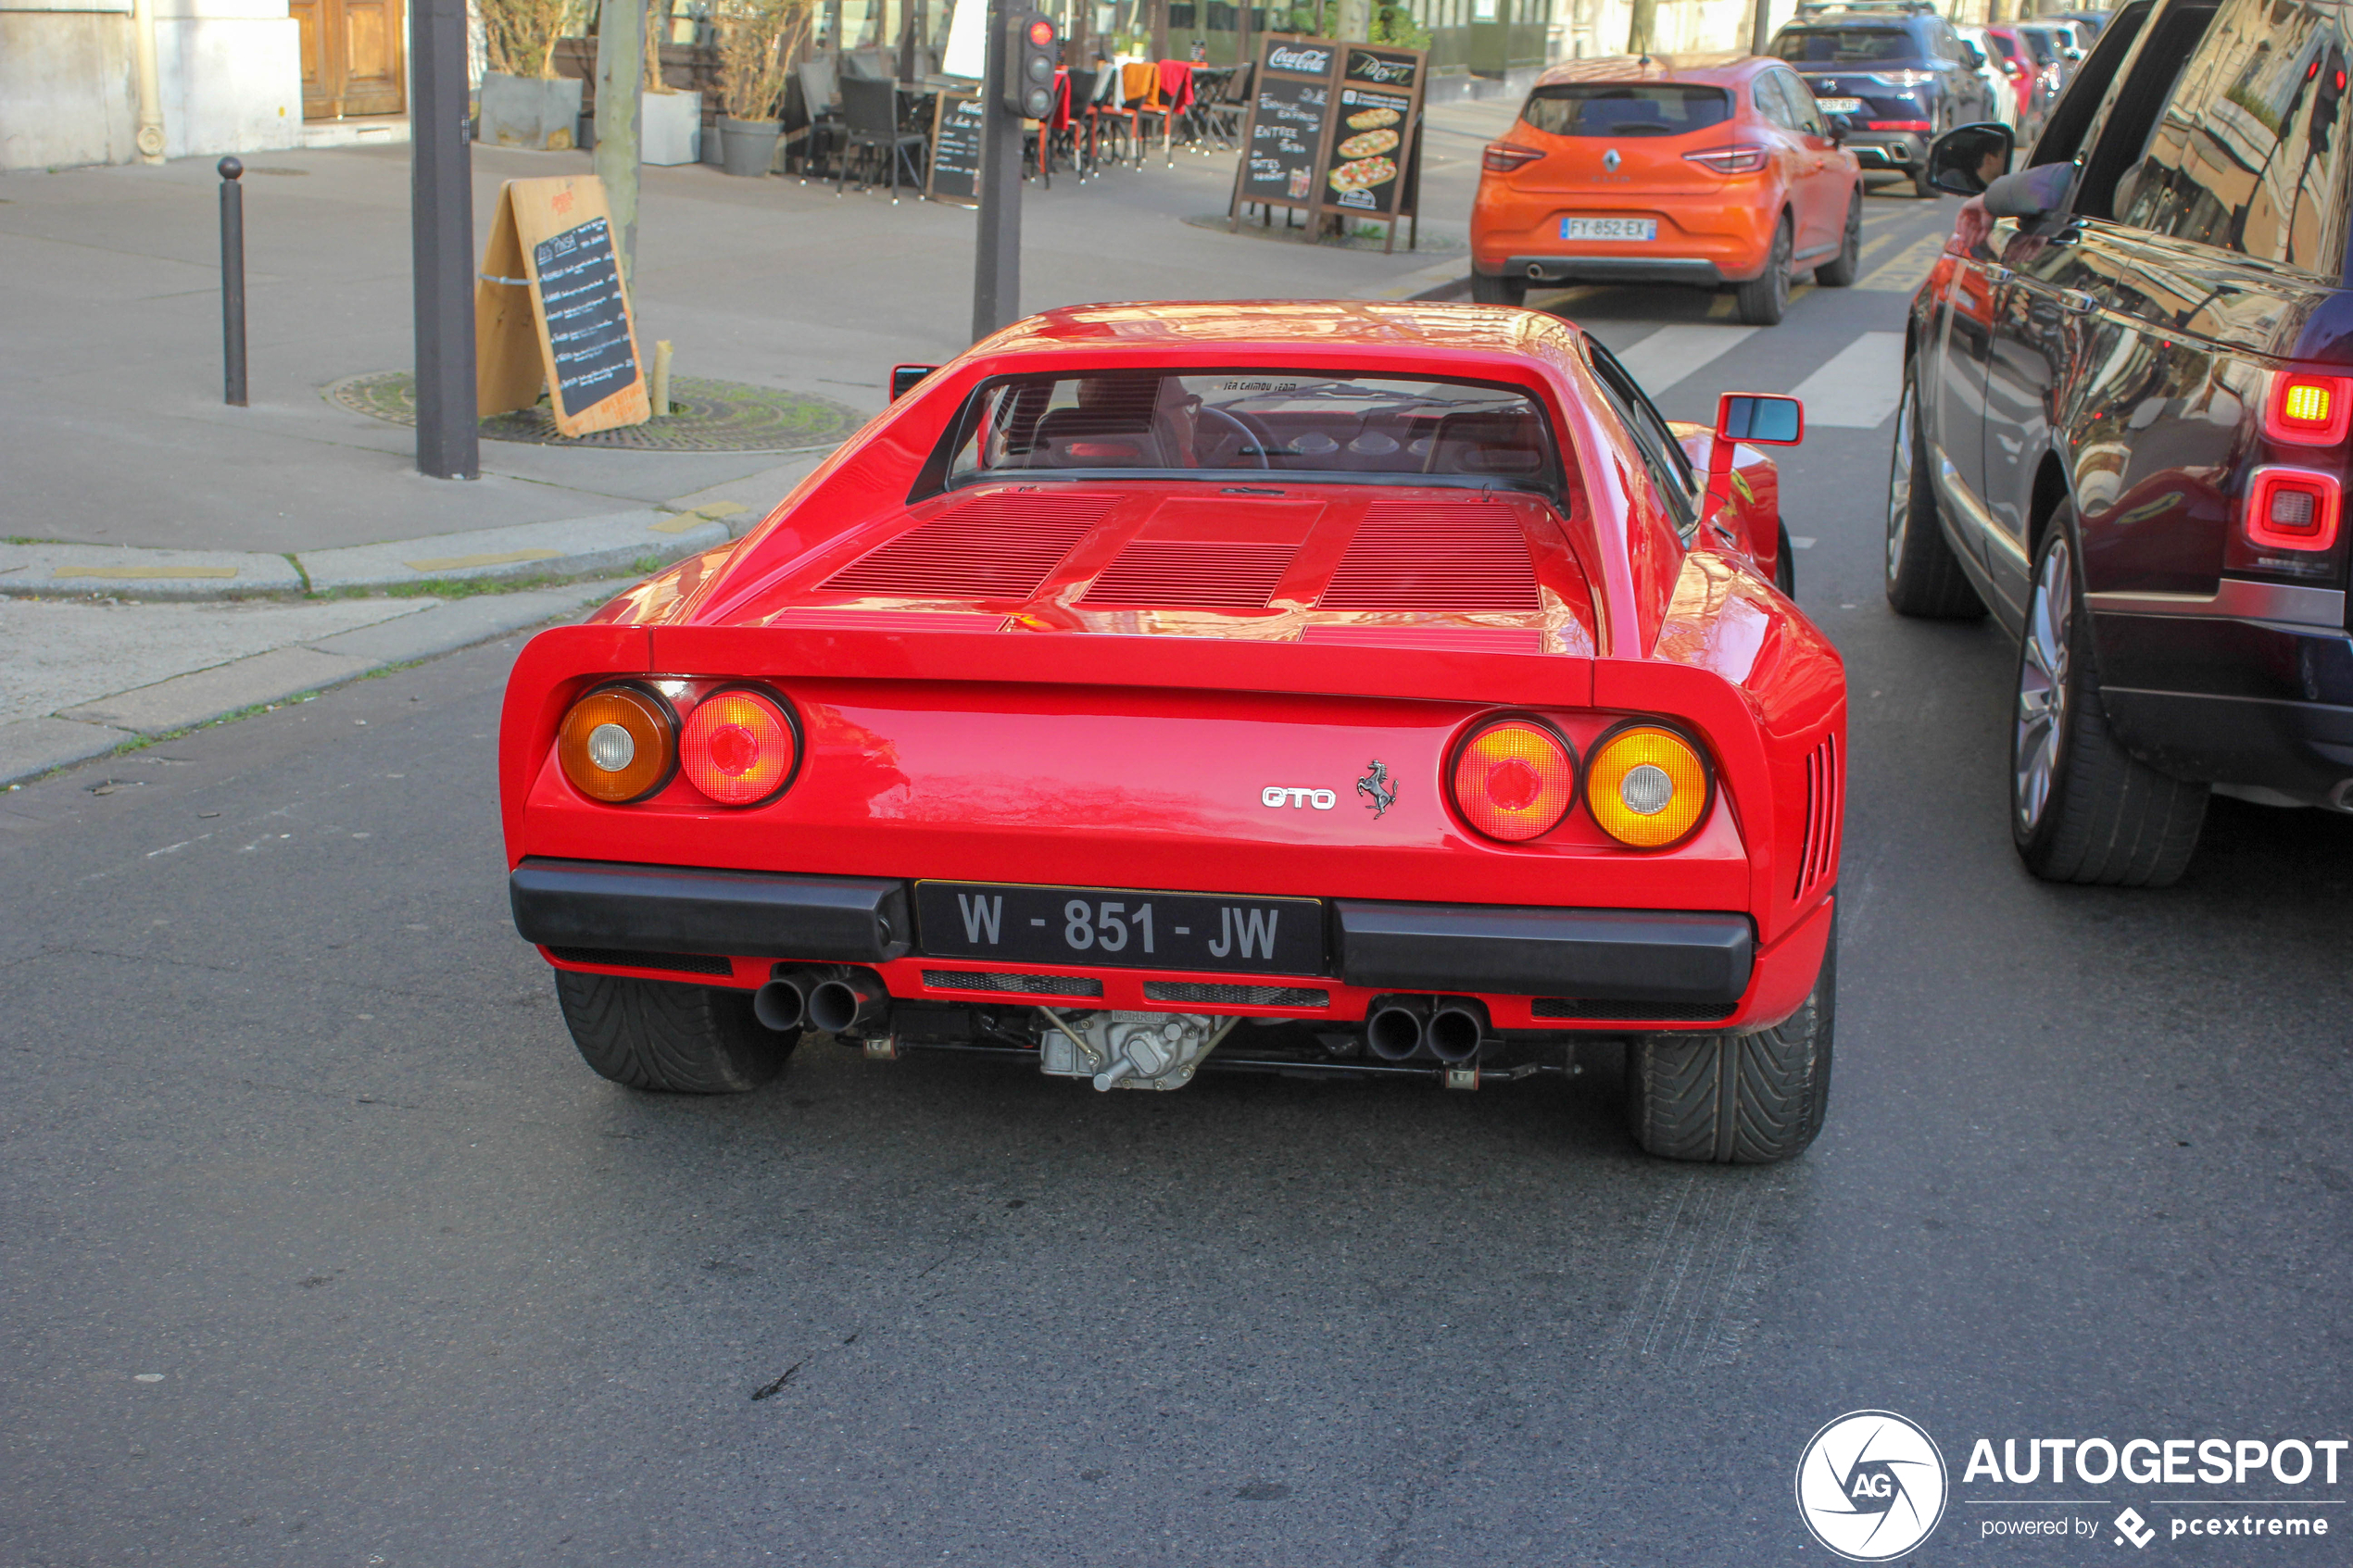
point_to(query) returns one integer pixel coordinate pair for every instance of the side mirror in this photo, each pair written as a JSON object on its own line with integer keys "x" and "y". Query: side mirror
{"x": 1965, "y": 161}
{"x": 904, "y": 378}
{"x": 1758, "y": 417}
{"x": 1841, "y": 127}
{"x": 1972, "y": 57}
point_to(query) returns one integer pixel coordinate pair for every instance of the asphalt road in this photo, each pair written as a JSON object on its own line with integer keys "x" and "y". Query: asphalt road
{"x": 321, "y": 1246}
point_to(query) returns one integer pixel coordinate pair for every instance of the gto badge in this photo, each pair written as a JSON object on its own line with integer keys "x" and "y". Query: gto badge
{"x": 1610, "y": 160}
{"x": 1277, "y": 795}
{"x": 1378, "y": 793}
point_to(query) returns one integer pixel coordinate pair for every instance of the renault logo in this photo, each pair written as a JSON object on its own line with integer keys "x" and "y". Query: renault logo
{"x": 1610, "y": 160}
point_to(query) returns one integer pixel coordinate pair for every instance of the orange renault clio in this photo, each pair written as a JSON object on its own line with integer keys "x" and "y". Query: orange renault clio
{"x": 1691, "y": 169}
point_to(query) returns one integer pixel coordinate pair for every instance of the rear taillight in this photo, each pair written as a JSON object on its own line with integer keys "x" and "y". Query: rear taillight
{"x": 1730, "y": 160}
{"x": 1919, "y": 125}
{"x": 1646, "y": 786}
{"x": 1502, "y": 157}
{"x": 618, "y": 744}
{"x": 2307, "y": 411}
{"x": 1514, "y": 780}
{"x": 740, "y": 746}
{"x": 2292, "y": 510}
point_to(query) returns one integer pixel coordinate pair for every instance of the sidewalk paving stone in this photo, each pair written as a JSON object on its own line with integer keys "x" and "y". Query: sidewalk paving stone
{"x": 31, "y": 746}
{"x": 567, "y": 548}
{"x": 127, "y": 573}
{"x": 464, "y": 623}
{"x": 186, "y": 700}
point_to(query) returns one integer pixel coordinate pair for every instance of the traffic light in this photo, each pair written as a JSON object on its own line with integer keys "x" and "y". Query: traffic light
{"x": 1033, "y": 51}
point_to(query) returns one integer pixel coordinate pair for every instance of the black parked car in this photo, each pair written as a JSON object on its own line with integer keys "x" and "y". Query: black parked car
{"x": 2124, "y": 430}
{"x": 1899, "y": 76}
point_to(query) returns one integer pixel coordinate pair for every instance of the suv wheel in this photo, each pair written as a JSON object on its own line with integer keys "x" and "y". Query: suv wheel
{"x": 1498, "y": 291}
{"x": 679, "y": 1039}
{"x": 2083, "y": 808}
{"x": 1763, "y": 300}
{"x": 1838, "y": 272}
{"x": 1737, "y": 1099}
{"x": 1924, "y": 577}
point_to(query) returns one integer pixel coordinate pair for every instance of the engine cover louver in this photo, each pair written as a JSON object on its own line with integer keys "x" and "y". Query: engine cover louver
{"x": 1164, "y": 574}
{"x": 998, "y": 546}
{"x": 1441, "y": 556}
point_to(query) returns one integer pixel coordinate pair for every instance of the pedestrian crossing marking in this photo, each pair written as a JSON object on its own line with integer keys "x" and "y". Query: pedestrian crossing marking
{"x": 1859, "y": 385}
{"x": 1670, "y": 354}
{"x": 1903, "y": 273}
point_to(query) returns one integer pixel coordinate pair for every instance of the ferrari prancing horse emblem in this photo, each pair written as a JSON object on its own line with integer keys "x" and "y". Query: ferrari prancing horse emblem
{"x": 1378, "y": 793}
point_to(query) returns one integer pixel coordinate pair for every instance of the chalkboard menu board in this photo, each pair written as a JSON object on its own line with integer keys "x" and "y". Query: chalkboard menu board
{"x": 1332, "y": 129}
{"x": 1376, "y": 123}
{"x": 955, "y": 149}
{"x": 1289, "y": 118}
{"x": 587, "y": 325}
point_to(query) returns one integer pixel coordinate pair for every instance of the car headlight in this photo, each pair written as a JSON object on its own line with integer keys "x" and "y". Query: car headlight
{"x": 618, "y": 744}
{"x": 1647, "y": 787}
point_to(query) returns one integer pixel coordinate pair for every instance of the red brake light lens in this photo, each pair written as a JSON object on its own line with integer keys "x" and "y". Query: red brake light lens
{"x": 2292, "y": 510}
{"x": 1730, "y": 160}
{"x": 1919, "y": 125}
{"x": 739, "y": 747}
{"x": 1514, "y": 780}
{"x": 2308, "y": 410}
{"x": 1502, "y": 157}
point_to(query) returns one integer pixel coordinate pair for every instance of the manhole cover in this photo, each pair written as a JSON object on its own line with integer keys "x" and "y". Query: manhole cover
{"x": 706, "y": 416}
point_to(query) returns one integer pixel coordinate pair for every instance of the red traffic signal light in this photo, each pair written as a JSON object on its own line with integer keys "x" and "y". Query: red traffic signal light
{"x": 1041, "y": 33}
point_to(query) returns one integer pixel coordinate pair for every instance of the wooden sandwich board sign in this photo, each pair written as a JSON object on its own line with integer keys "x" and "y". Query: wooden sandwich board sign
{"x": 953, "y": 174}
{"x": 551, "y": 311}
{"x": 1288, "y": 126}
{"x": 1374, "y": 124}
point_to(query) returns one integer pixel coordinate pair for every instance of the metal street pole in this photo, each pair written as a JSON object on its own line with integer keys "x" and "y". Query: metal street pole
{"x": 232, "y": 284}
{"x": 1760, "y": 35}
{"x": 441, "y": 227}
{"x": 997, "y": 259}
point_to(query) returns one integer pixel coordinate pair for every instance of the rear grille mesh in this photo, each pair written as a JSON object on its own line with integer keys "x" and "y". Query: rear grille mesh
{"x": 1152, "y": 573}
{"x": 1641, "y": 1012}
{"x": 1000, "y": 547}
{"x": 1461, "y": 556}
{"x": 1825, "y": 793}
{"x": 1020, "y": 984}
{"x": 682, "y": 963}
{"x": 1201, "y": 994}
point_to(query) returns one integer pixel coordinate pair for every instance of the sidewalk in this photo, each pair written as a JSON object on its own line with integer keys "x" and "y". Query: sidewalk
{"x": 130, "y": 482}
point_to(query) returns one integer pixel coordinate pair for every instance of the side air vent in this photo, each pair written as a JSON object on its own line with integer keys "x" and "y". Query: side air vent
{"x": 1200, "y": 994}
{"x": 1016, "y": 984}
{"x": 1466, "y": 556}
{"x": 1633, "y": 1012}
{"x": 677, "y": 963}
{"x": 1000, "y": 547}
{"x": 1825, "y": 792}
{"x": 1161, "y": 574}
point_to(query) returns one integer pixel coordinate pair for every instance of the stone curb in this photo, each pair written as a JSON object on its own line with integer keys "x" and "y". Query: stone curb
{"x": 567, "y": 548}
{"x": 30, "y": 748}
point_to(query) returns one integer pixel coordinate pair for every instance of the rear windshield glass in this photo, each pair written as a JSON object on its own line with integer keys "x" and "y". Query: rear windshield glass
{"x": 1845, "y": 45}
{"x": 1610, "y": 108}
{"x": 2038, "y": 43}
{"x": 2008, "y": 49}
{"x": 1241, "y": 423}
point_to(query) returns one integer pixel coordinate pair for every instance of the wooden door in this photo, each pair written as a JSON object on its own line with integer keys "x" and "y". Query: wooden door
{"x": 351, "y": 58}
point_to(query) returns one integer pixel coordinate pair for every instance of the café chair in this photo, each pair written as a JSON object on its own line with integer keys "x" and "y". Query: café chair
{"x": 870, "y": 119}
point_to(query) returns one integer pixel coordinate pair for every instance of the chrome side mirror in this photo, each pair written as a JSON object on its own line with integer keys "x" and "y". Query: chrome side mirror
{"x": 904, "y": 378}
{"x": 1964, "y": 161}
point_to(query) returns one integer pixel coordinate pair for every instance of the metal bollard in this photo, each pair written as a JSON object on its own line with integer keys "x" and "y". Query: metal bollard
{"x": 232, "y": 284}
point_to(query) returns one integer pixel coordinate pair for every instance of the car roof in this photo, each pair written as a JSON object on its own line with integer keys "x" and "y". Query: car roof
{"x": 1260, "y": 326}
{"x": 1851, "y": 21}
{"x": 1721, "y": 68}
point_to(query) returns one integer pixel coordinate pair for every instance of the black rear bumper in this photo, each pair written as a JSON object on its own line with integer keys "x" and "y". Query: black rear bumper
{"x": 1612, "y": 955}
{"x": 2232, "y": 701}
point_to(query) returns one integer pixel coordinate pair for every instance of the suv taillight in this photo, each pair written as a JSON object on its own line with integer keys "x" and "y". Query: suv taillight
{"x": 2305, "y": 409}
{"x": 2291, "y": 509}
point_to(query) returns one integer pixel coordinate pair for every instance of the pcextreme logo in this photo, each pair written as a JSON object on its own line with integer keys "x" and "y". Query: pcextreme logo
{"x": 1870, "y": 1486}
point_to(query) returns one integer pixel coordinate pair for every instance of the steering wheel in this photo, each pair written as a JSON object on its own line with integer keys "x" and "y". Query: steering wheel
{"x": 1251, "y": 439}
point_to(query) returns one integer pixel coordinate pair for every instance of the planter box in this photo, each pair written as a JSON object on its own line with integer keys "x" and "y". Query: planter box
{"x": 673, "y": 128}
{"x": 752, "y": 143}
{"x": 526, "y": 111}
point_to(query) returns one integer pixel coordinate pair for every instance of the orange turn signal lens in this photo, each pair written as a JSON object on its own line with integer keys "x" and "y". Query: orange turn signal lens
{"x": 1646, "y": 786}
{"x": 1514, "y": 780}
{"x": 740, "y": 748}
{"x": 618, "y": 744}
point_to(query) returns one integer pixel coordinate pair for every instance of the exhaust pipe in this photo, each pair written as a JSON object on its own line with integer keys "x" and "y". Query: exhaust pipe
{"x": 783, "y": 1003}
{"x": 843, "y": 1002}
{"x": 1535, "y": 269}
{"x": 1456, "y": 1029}
{"x": 1393, "y": 1032}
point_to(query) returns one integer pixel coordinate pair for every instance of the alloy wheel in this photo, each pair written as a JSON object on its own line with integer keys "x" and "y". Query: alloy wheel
{"x": 2042, "y": 687}
{"x": 1899, "y": 479}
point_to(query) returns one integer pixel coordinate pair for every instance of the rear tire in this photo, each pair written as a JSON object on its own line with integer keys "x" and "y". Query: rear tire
{"x": 1924, "y": 577}
{"x": 1737, "y": 1099}
{"x": 674, "y": 1039}
{"x": 2083, "y": 808}
{"x": 1840, "y": 270}
{"x": 1498, "y": 291}
{"x": 1764, "y": 299}
{"x": 1920, "y": 187}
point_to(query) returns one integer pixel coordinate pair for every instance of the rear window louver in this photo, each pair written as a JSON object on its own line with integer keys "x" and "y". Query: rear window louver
{"x": 1421, "y": 555}
{"x": 1162, "y": 573}
{"x": 999, "y": 546}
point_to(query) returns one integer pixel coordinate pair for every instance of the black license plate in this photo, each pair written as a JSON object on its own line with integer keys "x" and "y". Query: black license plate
{"x": 1120, "y": 927}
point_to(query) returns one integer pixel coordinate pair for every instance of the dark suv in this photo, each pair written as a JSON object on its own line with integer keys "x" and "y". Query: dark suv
{"x": 2123, "y": 430}
{"x": 1900, "y": 80}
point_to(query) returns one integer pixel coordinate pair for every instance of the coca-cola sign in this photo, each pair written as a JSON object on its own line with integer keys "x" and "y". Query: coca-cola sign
{"x": 1298, "y": 57}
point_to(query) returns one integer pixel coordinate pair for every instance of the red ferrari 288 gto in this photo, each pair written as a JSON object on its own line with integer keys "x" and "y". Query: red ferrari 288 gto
{"x": 1302, "y": 687}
